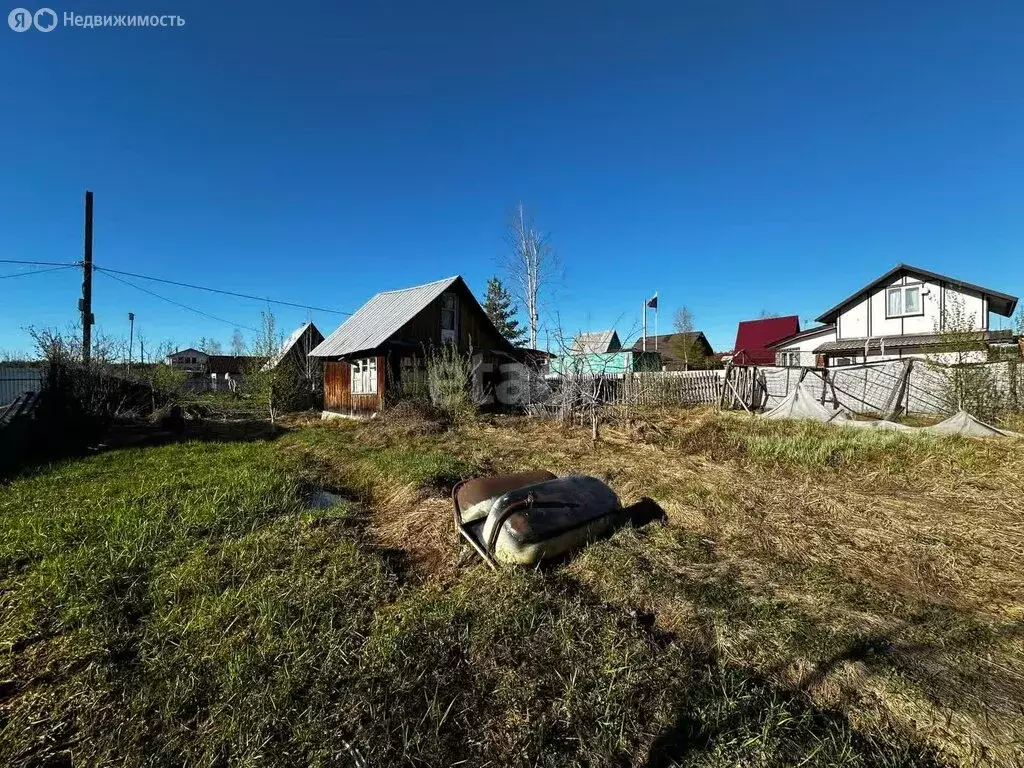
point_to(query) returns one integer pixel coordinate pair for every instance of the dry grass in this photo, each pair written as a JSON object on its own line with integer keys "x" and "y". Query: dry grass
{"x": 880, "y": 572}
{"x": 818, "y": 596}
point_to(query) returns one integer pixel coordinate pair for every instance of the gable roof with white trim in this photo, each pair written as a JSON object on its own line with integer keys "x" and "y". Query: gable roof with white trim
{"x": 1000, "y": 303}
{"x": 597, "y": 342}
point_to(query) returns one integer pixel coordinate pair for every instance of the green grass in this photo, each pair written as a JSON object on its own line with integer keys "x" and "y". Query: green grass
{"x": 181, "y": 605}
{"x": 807, "y": 445}
{"x": 369, "y": 467}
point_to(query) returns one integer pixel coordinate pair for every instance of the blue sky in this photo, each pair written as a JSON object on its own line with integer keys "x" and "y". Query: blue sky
{"x": 735, "y": 157}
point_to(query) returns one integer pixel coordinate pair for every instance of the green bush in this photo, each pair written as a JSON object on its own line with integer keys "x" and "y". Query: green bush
{"x": 448, "y": 377}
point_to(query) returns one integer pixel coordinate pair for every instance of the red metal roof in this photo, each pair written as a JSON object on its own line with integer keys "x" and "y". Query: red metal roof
{"x": 754, "y": 336}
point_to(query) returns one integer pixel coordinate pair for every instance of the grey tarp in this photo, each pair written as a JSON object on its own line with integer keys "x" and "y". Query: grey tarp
{"x": 891, "y": 426}
{"x": 801, "y": 404}
{"x": 962, "y": 423}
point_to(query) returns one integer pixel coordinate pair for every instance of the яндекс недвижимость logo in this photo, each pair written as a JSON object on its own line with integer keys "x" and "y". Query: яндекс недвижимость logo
{"x": 22, "y": 19}
{"x": 46, "y": 20}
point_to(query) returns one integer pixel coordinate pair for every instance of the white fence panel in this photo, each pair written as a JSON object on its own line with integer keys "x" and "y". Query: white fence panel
{"x": 871, "y": 388}
{"x": 14, "y": 381}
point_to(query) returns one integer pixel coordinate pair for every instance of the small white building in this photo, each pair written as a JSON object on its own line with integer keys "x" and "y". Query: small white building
{"x": 903, "y": 313}
{"x": 191, "y": 360}
{"x": 798, "y": 350}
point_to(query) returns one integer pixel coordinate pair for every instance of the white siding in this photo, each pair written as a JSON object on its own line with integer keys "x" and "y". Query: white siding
{"x": 867, "y": 316}
{"x": 975, "y": 305}
{"x": 184, "y": 358}
{"x": 805, "y": 346}
{"x": 931, "y": 305}
{"x": 853, "y": 321}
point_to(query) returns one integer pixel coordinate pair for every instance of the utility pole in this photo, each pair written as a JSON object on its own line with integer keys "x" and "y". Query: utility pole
{"x": 131, "y": 339}
{"x": 85, "y": 304}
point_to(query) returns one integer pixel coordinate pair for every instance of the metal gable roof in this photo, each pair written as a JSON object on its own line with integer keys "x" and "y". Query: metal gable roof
{"x": 805, "y": 334}
{"x": 380, "y": 318}
{"x": 886, "y": 343}
{"x": 1003, "y": 303}
{"x": 291, "y": 341}
{"x": 596, "y": 342}
{"x": 663, "y": 342}
{"x": 754, "y": 336}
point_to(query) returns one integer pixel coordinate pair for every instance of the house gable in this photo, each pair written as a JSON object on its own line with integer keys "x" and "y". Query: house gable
{"x": 474, "y": 329}
{"x": 298, "y": 346}
{"x": 191, "y": 352}
{"x": 754, "y": 336}
{"x": 411, "y": 317}
{"x": 190, "y": 356}
{"x": 596, "y": 342}
{"x": 867, "y": 313}
{"x": 667, "y": 345}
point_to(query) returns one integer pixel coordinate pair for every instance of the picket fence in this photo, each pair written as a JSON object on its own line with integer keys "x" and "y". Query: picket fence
{"x": 662, "y": 387}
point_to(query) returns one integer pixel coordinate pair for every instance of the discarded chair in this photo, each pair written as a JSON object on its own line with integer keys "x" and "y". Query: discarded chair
{"x": 533, "y": 516}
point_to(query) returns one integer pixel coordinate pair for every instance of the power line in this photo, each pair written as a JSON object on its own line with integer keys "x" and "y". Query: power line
{"x": 37, "y": 271}
{"x": 177, "y": 303}
{"x": 220, "y": 291}
{"x": 43, "y": 263}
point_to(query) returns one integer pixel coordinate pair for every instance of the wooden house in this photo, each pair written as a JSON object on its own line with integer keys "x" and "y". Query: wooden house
{"x": 367, "y": 359}
{"x": 671, "y": 347}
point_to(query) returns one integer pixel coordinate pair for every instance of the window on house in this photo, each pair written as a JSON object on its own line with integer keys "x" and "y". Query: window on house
{"x": 903, "y": 300}
{"x": 412, "y": 372}
{"x": 364, "y": 376}
{"x": 789, "y": 359}
{"x": 449, "y": 311}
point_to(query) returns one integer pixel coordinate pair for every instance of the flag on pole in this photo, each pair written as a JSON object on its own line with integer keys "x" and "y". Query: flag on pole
{"x": 653, "y": 302}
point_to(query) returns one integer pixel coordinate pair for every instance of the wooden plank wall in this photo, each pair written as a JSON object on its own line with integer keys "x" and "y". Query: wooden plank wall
{"x": 425, "y": 328}
{"x": 338, "y": 389}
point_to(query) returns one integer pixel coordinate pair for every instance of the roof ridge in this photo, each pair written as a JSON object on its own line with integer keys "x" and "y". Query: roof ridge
{"x": 422, "y": 285}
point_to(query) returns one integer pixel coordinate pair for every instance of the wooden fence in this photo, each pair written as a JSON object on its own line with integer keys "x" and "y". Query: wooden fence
{"x": 668, "y": 388}
{"x": 657, "y": 388}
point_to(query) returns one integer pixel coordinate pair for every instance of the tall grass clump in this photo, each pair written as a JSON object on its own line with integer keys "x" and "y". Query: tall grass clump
{"x": 448, "y": 380}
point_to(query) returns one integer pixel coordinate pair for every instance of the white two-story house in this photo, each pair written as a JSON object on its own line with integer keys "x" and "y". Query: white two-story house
{"x": 907, "y": 312}
{"x": 190, "y": 360}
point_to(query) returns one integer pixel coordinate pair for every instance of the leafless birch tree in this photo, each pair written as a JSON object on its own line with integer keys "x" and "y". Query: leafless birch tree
{"x": 683, "y": 344}
{"x": 531, "y": 265}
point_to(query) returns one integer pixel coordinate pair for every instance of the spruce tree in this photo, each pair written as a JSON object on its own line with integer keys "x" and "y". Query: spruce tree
{"x": 499, "y": 307}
